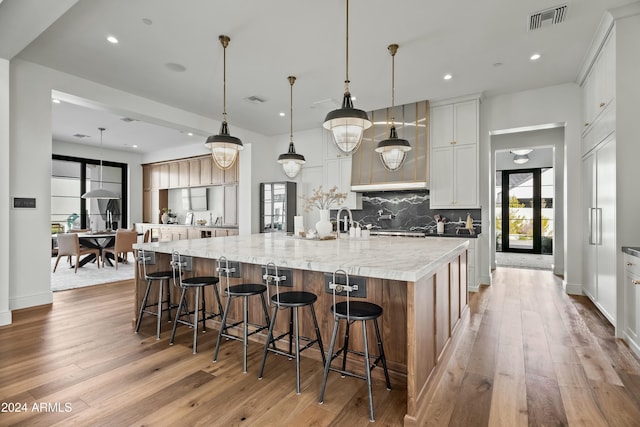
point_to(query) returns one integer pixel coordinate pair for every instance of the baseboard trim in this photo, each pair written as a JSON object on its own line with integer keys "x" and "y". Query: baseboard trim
{"x": 631, "y": 344}
{"x": 31, "y": 300}
{"x": 485, "y": 280}
{"x": 572, "y": 288}
{"x": 5, "y": 318}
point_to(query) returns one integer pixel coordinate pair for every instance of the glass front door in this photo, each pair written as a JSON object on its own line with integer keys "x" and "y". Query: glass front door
{"x": 520, "y": 223}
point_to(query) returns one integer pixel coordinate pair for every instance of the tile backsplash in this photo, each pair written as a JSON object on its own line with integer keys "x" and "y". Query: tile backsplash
{"x": 410, "y": 211}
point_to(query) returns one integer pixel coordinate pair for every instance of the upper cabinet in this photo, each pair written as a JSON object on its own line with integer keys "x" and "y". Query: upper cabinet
{"x": 454, "y": 131}
{"x": 193, "y": 172}
{"x": 599, "y": 94}
{"x": 599, "y": 88}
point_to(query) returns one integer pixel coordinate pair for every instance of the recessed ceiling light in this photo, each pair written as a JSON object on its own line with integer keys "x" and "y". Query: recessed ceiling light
{"x": 535, "y": 57}
{"x": 190, "y": 133}
{"x": 281, "y": 114}
{"x": 112, "y": 39}
{"x": 447, "y": 77}
{"x": 147, "y": 21}
{"x": 55, "y": 101}
{"x": 134, "y": 146}
{"x": 498, "y": 64}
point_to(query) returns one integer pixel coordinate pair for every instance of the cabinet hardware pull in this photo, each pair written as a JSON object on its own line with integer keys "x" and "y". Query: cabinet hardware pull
{"x": 635, "y": 282}
{"x": 629, "y": 264}
{"x": 586, "y": 124}
{"x": 602, "y": 104}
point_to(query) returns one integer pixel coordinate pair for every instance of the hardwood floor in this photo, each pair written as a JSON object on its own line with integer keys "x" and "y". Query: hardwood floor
{"x": 530, "y": 355}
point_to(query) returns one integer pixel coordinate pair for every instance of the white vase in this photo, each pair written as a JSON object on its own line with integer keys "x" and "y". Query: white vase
{"x": 324, "y": 227}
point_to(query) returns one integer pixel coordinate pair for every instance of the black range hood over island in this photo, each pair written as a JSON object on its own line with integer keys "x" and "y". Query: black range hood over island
{"x": 367, "y": 171}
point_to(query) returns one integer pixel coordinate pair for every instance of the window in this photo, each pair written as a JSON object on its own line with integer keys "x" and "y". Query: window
{"x": 71, "y": 177}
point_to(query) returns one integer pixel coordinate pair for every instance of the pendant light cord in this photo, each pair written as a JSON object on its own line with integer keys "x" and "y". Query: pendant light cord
{"x": 291, "y": 81}
{"x": 224, "y": 40}
{"x": 346, "y": 81}
{"x": 101, "y": 130}
{"x": 393, "y": 48}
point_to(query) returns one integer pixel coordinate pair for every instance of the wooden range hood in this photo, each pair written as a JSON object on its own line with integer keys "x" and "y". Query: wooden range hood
{"x": 412, "y": 124}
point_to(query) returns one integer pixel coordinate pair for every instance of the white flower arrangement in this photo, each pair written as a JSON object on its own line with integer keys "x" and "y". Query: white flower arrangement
{"x": 324, "y": 200}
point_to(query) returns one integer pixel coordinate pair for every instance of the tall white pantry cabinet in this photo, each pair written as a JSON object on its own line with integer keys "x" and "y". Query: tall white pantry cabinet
{"x": 610, "y": 153}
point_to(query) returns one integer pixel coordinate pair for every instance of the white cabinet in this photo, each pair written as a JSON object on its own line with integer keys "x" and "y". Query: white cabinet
{"x": 337, "y": 172}
{"x": 599, "y": 88}
{"x": 454, "y": 155}
{"x": 599, "y": 255}
{"x": 632, "y": 302}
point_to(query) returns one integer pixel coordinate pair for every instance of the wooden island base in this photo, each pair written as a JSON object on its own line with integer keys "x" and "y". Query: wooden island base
{"x": 421, "y": 319}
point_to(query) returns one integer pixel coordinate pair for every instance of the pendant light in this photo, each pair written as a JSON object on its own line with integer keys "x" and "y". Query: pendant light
{"x": 100, "y": 193}
{"x": 223, "y": 146}
{"x": 393, "y": 150}
{"x": 291, "y": 161}
{"x": 347, "y": 123}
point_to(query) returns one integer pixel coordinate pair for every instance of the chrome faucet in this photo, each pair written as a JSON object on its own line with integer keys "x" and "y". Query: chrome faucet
{"x": 338, "y": 219}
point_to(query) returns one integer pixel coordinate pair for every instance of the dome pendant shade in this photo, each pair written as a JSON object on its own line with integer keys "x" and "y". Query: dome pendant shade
{"x": 393, "y": 151}
{"x": 224, "y": 147}
{"x": 347, "y": 125}
{"x": 291, "y": 161}
{"x": 100, "y": 193}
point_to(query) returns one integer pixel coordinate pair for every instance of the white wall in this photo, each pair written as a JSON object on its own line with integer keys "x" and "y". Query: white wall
{"x": 5, "y": 199}
{"x": 549, "y": 105}
{"x": 28, "y": 161}
{"x": 133, "y": 160}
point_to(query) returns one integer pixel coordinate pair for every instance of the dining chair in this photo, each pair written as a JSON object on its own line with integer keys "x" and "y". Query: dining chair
{"x": 69, "y": 245}
{"x": 122, "y": 246}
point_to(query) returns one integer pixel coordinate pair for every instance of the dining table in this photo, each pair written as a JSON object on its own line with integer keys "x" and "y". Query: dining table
{"x": 98, "y": 240}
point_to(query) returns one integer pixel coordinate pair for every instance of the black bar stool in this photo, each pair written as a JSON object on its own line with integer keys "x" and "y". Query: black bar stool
{"x": 198, "y": 283}
{"x": 158, "y": 277}
{"x": 352, "y": 312}
{"x": 243, "y": 291}
{"x": 291, "y": 300}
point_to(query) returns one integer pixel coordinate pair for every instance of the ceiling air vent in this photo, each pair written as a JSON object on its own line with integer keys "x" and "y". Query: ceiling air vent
{"x": 254, "y": 99}
{"x": 547, "y": 17}
{"x": 81, "y": 135}
{"x": 128, "y": 119}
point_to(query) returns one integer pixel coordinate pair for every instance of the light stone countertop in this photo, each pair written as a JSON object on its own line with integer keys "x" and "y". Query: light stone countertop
{"x": 395, "y": 258}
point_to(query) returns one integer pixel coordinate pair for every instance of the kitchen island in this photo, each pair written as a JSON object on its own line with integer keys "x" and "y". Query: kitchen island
{"x": 420, "y": 283}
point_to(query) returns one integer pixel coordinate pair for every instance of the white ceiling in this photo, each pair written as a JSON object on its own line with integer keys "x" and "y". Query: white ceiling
{"x": 273, "y": 39}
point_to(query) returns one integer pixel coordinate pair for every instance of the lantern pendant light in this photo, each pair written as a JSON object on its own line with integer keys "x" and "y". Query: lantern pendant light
{"x": 347, "y": 124}
{"x": 223, "y": 146}
{"x": 291, "y": 161}
{"x": 100, "y": 193}
{"x": 393, "y": 150}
